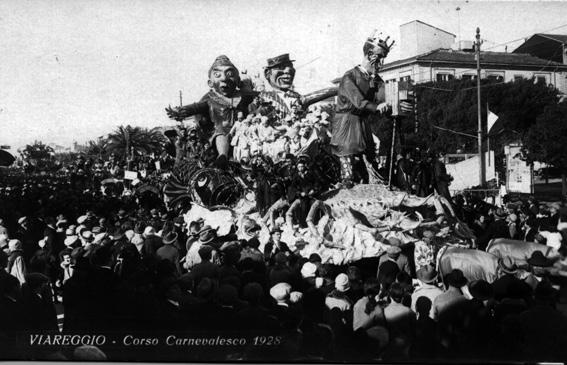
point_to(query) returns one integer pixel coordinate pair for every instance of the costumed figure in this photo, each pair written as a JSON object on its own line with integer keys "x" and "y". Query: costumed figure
{"x": 280, "y": 74}
{"x": 220, "y": 106}
{"x": 360, "y": 95}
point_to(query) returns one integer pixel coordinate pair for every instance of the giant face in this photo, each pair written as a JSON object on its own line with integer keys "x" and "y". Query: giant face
{"x": 224, "y": 79}
{"x": 281, "y": 76}
{"x": 376, "y": 57}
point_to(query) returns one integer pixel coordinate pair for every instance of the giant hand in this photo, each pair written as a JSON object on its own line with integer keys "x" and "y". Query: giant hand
{"x": 175, "y": 113}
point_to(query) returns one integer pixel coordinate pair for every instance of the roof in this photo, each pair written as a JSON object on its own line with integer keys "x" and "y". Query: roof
{"x": 501, "y": 59}
{"x": 429, "y": 25}
{"x": 561, "y": 38}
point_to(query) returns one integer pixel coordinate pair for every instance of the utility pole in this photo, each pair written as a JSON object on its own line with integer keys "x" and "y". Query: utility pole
{"x": 180, "y": 98}
{"x": 458, "y": 9}
{"x": 480, "y": 152}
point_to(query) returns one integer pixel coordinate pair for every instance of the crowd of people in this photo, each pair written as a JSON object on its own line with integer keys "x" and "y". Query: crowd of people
{"x": 112, "y": 264}
{"x": 80, "y": 245}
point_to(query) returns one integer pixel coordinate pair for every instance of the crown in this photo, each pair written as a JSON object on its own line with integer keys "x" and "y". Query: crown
{"x": 379, "y": 42}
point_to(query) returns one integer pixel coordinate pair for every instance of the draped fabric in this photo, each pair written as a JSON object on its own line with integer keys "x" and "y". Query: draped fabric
{"x": 351, "y": 128}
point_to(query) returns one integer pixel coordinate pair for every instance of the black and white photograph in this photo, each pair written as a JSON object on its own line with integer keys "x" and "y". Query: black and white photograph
{"x": 287, "y": 181}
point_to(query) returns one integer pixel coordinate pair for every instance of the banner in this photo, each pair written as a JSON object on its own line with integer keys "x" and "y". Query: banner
{"x": 130, "y": 175}
{"x": 519, "y": 175}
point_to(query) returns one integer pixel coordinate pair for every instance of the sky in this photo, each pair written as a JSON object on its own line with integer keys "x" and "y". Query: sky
{"x": 73, "y": 70}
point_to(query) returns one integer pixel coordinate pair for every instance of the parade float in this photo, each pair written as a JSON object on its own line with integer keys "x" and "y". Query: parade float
{"x": 342, "y": 224}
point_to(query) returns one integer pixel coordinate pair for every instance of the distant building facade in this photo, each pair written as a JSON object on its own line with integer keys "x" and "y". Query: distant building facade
{"x": 440, "y": 62}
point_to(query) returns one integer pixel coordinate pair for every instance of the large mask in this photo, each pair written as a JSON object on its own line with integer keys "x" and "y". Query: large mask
{"x": 224, "y": 77}
{"x": 376, "y": 50}
{"x": 280, "y": 72}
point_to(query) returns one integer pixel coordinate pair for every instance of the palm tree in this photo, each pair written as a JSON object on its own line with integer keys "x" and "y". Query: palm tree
{"x": 97, "y": 147}
{"x": 128, "y": 141}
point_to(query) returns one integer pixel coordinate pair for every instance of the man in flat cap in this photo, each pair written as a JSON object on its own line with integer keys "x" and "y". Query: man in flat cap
{"x": 360, "y": 96}
{"x": 280, "y": 73}
{"x": 219, "y": 107}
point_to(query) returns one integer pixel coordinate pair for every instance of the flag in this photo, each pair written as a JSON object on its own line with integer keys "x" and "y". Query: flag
{"x": 491, "y": 120}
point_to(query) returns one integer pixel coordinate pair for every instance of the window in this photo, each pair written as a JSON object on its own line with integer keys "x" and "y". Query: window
{"x": 540, "y": 79}
{"x": 405, "y": 78}
{"x": 495, "y": 77}
{"x": 518, "y": 77}
{"x": 445, "y": 77}
{"x": 468, "y": 77}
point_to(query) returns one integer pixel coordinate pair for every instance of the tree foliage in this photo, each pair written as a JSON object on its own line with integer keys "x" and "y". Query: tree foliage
{"x": 127, "y": 140}
{"x": 97, "y": 147}
{"x": 37, "y": 154}
{"x": 546, "y": 140}
{"x": 453, "y": 105}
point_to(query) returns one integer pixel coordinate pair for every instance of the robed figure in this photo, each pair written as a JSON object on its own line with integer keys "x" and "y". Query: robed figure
{"x": 360, "y": 95}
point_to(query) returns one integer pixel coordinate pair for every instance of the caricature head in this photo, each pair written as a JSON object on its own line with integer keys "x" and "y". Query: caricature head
{"x": 375, "y": 51}
{"x": 224, "y": 77}
{"x": 280, "y": 72}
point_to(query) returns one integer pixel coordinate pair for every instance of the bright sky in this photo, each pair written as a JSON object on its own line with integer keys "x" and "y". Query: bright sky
{"x": 73, "y": 70}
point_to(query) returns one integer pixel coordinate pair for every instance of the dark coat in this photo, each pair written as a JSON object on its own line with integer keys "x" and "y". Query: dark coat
{"x": 356, "y": 102}
{"x": 497, "y": 229}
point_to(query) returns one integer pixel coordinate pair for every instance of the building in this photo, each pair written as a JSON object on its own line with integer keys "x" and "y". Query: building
{"x": 551, "y": 47}
{"x": 459, "y": 61}
{"x": 417, "y": 37}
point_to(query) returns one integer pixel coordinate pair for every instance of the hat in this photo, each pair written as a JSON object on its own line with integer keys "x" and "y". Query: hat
{"x": 171, "y": 133}
{"x": 308, "y": 270}
{"x": 456, "y": 278}
{"x": 275, "y": 230}
{"x": 342, "y": 283}
{"x": 393, "y": 251}
{"x": 70, "y": 240}
{"x": 507, "y": 265}
{"x": 512, "y": 217}
{"x": 500, "y": 213}
{"x": 70, "y": 232}
{"x": 481, "y": 290}
{"x": 117, "y": 234}
{"x": 539, "y": 260}
{"x": 22, "y": 220}
{"x": 280, "y": 291}
{"x": 278, "y": 60}
{"x": 426, "y": 274}
{"x": 82, "y": 219}
{"x": 207, "y": 234}
{"x": 393, "y": 241}
{"x": 315, "y": 257}
{"x": 149, "y": 231}
{"x": 87, "y": 235}
{"x": 169, "y": 238}
{"x": 221, "y": 60}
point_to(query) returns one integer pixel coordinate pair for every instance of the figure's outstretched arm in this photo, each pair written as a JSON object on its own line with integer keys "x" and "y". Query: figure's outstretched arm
{"x": 181, "y": 112}
{"x": 318, "y": 95}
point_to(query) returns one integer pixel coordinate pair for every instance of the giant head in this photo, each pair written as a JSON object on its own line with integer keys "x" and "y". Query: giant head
{"x": 280, "y": 72}
{"x": 224, "y": 77}
{"x": 375, "y": 51}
